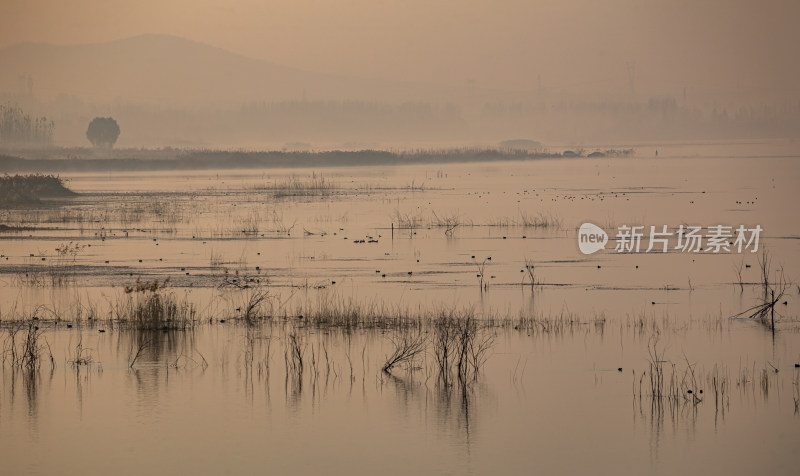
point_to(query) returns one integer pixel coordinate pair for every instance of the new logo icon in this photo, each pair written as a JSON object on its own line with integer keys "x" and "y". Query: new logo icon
{"x": 591, "y": 238}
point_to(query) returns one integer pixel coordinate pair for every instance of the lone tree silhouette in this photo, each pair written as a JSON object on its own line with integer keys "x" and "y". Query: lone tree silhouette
{"x": 103, "y": 132}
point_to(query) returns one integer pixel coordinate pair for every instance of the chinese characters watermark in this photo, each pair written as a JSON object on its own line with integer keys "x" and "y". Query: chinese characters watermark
{"x": 662, "y": 239}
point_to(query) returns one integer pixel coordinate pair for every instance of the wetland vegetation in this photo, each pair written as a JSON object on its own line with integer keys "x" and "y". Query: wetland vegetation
{"x": 452, "y": 293}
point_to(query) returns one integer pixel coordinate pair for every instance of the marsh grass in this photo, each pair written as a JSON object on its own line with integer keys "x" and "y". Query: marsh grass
{"x": 141, "y": 347}
{"x": 772, "y": 292}
{"x": 293, "y": 356}
{"x": 555, "y": 324}
{"x": 257, "y": 306}
{"x": 738, "y": 270}
{"x": 481, "y": 275}
{"x": 24, "y": 346}
{"x": 331, "y": 310}
{"x": 315, "y": 186}
{"x": 250, "y": 224}
{"x": 57, "y": 271}
{"x": 541, "y": 220}
{"x": 81, "y": 355}
{"x": 460, "y": 347}
{"x": 408, "y": 345}
{"x": 154, "y": 306}
{"x": 449, "y": 222}
{"x": 679, "y": 387}
{"x": 61, "y": 271}
{"x": 279, "y": 224}
{"x": 215, "y": 259}
{"x": 667, "y": 385}
{"x": 719, "y": 382}
{"x": 83, "y": 312}
{"x": 646, "y": 324}
{"x": 407, "y": 220}
{"x": 150, "y": 307}
{"x": 529, "y": 274}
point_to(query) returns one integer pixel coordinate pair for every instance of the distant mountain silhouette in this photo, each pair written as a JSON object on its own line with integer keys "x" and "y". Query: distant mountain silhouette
{"x": 174, "y": 71}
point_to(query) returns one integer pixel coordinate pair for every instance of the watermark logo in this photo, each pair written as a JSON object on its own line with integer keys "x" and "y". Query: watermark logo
{"x": 685, "y": 239}
{"x": 591, "y": 238}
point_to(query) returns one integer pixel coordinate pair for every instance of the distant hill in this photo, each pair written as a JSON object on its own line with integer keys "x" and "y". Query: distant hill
{"x": 167, "y": 70}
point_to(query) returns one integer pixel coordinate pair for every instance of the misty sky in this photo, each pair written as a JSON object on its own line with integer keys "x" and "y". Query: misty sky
{"x": 578, "y": 46}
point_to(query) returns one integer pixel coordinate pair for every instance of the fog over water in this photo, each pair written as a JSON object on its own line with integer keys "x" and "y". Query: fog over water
{"x": 399, "y": 237}
{"x": 355, "y": 74}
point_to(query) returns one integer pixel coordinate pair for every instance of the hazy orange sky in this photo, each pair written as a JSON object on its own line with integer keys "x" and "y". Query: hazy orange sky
{"x": 573, "y": 45}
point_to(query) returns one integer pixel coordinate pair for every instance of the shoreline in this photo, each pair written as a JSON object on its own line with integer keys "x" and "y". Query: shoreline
{"x": 175, "y": 159}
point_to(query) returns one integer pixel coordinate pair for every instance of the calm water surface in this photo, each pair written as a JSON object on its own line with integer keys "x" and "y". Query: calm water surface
{"x": 551, "y": 398}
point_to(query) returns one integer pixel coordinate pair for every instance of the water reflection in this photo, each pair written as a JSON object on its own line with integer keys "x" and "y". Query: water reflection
{"x": 454, "y": 405}
{"x": 329, "y": 374}
{"x": 152, "y": 356}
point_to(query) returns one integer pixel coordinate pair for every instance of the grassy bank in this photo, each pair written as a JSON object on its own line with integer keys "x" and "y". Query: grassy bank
{"x": 31, "y": 189}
